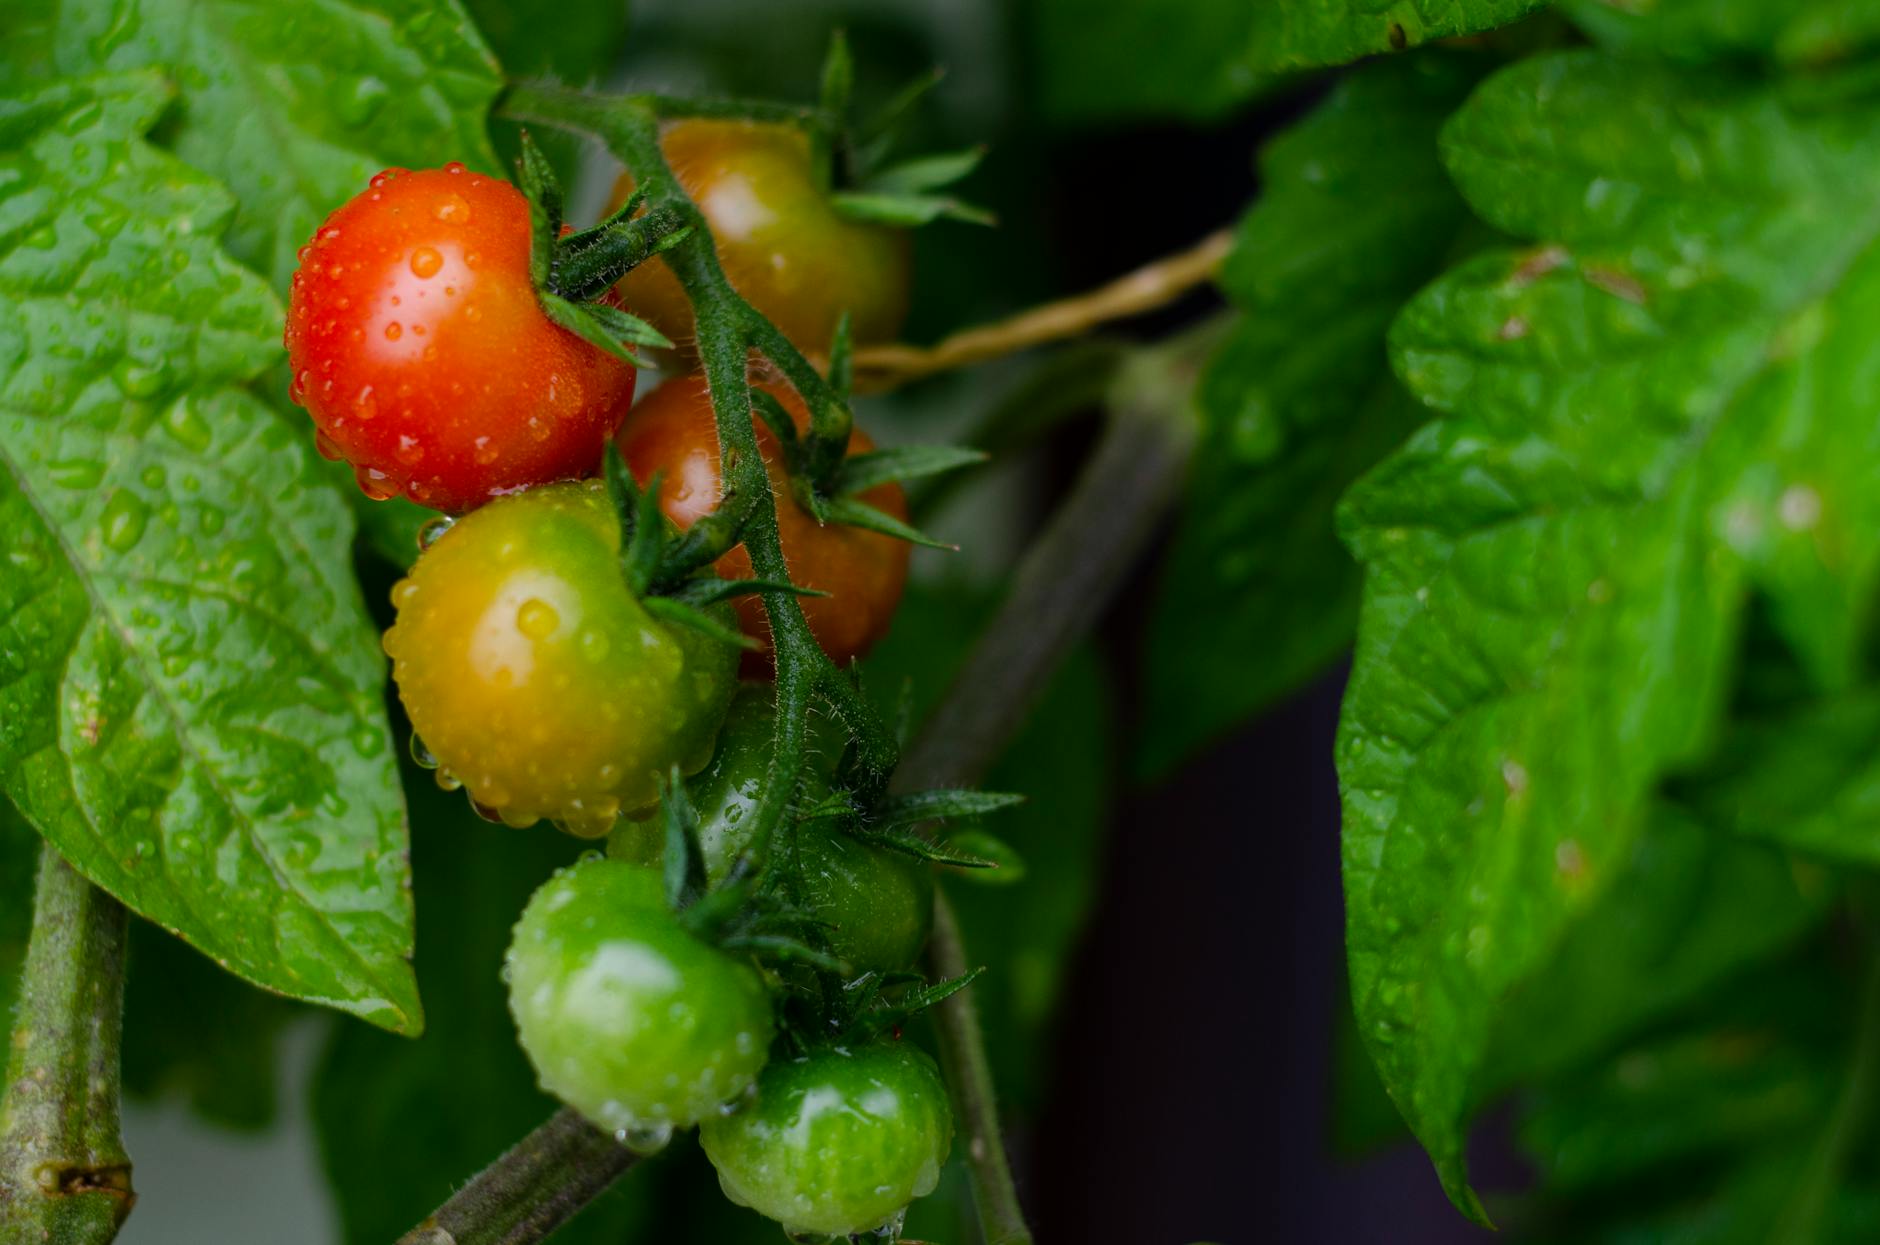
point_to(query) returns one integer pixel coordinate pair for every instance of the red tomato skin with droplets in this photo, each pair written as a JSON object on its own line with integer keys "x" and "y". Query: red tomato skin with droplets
{"x": 417, "y": 344}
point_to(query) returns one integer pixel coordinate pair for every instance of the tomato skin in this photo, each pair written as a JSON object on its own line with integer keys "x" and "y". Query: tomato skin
{"x": 418, "y": 346}
{"x": 839, "y": 1141}
{"x": 534, "y": 676}
{"x": 672, "y": 432}
{"x": 782, "y": 244}
{"x": 874, "y": 905}
{"x": 629, "y": 1018}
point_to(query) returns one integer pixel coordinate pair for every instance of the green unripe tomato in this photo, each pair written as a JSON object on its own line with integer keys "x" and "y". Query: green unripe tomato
{"x": 534, "y": 676}
{"x": 838, "y": 1141}
{"x": 876, "y": 904}
{"x": 627, "y": 1017}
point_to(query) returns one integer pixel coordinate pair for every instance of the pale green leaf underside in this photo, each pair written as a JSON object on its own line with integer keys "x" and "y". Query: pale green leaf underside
{"x": 1665, "y": 407}
{"x": 1355, "y": 213}
{"x": 190, "y": 692}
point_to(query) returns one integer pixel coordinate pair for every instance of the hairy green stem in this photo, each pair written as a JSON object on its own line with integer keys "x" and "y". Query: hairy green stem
{"x": 64, "y": 1176}
{"x": 534, "y": 1188}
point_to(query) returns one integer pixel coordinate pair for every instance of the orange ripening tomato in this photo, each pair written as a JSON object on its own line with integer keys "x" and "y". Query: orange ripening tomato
{"x": 783, "y": 245}
{"x": 672, "y": 432}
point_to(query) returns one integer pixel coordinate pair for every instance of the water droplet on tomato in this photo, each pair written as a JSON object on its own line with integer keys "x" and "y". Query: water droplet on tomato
{"x": 374, "y": 483}
{"x": 409, "y": 452}
{"x": 594, "y": 644}
{"x": 328, "y": 448}
{"x": 446, "y": 780}
{"x": 364, "y": 407}
{"x": 394, "y": 331}
{"x": 646, "y": 1138}
{"x": 427, "y": 536}
{"x": 537, "y": 619}
{"x": 421, "y": 753}
{"x": 452, "y": 210}
{"x": 425, "y": 261}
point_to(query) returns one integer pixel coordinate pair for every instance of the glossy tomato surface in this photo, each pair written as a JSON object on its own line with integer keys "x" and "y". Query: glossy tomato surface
{"x": 629, "y": 1018}
{"x": 783, "y": 245}
{"x": 536, "y": 679}
{"x": 839, "y": 1141}
{"x": 672, "y": 432}
{"x": 418, "y": 346}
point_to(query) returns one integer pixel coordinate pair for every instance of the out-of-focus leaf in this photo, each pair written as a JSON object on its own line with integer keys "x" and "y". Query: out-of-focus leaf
{"x": 193, "y": 1029}
{"x": 1355, "y": 214}
{"x": 1024, "y": 933}
{"x": 190, "y": 692}
{"x": 1798, "y": 33}
{"x": 1808, "y": 779}
{"x": 403, "y": 1123}
{"x": 1660, "y": 407}
{"x": 19, "y": 857}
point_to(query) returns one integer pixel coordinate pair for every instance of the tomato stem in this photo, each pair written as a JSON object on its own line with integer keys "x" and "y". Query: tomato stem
{"x": 64, "y": 1175}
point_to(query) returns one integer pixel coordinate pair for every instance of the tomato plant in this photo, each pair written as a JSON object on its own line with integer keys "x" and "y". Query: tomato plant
{"x": 1481, "y": 475}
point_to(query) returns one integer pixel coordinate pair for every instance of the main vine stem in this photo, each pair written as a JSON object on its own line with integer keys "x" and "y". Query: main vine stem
{"x": 1063, "y": 585}
{"x": 64, "y": 1175}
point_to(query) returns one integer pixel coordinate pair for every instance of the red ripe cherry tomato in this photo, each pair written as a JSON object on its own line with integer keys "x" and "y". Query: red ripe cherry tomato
{"x": 419, "y": 348}
{"x": 783, "y": 245}
{"x": 672, "y": 431}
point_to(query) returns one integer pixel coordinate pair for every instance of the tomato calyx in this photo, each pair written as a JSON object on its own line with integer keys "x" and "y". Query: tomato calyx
{"x": 573, "y": 271}
{"x": 857, "y": 164}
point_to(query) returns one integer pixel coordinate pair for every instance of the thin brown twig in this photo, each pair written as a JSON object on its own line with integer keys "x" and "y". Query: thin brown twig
{"x": 1154, "y": 285}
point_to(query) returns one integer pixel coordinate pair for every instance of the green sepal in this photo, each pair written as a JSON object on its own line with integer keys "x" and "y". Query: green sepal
{"x": 684, "y": 864}
{"x": 876, "y": 1016}
{"x": 668, "y": 609}
{"x": 939, "y": 804}
{"x": 627, "y": 327}
{"x": 838, "y": 84}
{"x": 873, "y": 141}
{"x": 588, "y": 263}
{"x": 924, "y": 173}
{"x": 934, "y": 851}
{"x": 783, "y": 949}
{"x": 1007, "y": 865}
{"x": 861, "y": 472}
{"x": 579, "y": 320}
{"x": 842, "y": 360}
{"x": 907, "y": 211}
{"x": 706, "y": 590}
{"x": 543, "y": 190}
{"x": 860, "y": 514}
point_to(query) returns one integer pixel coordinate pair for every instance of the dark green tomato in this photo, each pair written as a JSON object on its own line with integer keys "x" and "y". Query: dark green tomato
{"x": 629, "y": 1018}
{"x": 839, "y": 1141}
{"x": 877, "y": 904}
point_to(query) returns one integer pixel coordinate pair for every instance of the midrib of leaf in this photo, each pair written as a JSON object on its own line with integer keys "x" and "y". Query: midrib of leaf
{"x": 158, "y": 690}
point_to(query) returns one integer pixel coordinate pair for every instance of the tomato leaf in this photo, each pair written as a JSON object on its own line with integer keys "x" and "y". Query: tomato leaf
{"x": 193, "y": 702}
{"x": 1801, "y": 33}
{"x": 861, "y": 472}
{"x": 293, "y": 106}
{"x": 858, "y": 513}
{"x": 1357, "y": 213}
{"x": 902, "y": 209}
{"x": 1642, "y": 419}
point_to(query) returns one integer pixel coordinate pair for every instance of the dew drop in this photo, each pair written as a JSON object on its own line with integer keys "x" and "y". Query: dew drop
{"x": 125, "y": 517}
{"x": 594, "y": 644}
{"x": 427, "y": 536}
{"x": 646, "y": 1138}
{"x": 76, "y": 472}
{"x": 421, "y": 752}
{"x": 483, "y": 810}
{"x": 425, "y": 261}
{"x": 367, "y": 742}
{"x": 446, "y": 780}
{"x": 409, "y": 452}
{"x": 329, "y": 449}
{"x": 374, "y": 483}
{"x": 537, "y": 619}
{"x": 394, "y": 331}
{"x": 452, "y": 210}
{"x": 364, "y": 405}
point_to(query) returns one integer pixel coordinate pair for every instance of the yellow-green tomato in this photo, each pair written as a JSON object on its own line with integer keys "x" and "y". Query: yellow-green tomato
{"x": 628, "y": 1018}
{"x": 534, "y": 676}
{"x": 839, "y": 1141}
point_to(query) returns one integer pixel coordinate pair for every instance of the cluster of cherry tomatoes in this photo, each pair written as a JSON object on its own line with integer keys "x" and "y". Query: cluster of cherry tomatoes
{"x": 538, "y": 682}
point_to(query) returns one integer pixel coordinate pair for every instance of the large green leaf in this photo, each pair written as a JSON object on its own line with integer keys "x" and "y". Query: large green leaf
{"x": 292, "y": 105}
{"x": 1355, "y": 214}
{"x": 1297, "y": 34}
{"x": 189, "y": 689}
{"x": 402, "y": 1124}
{"x": 1663, "y": 407}
{"x": 1794, "y": 32}
{"x": 1731, "y": 1126}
